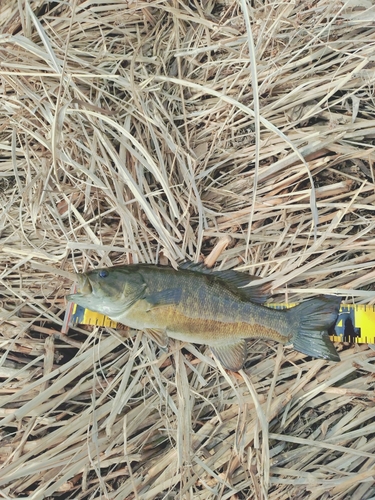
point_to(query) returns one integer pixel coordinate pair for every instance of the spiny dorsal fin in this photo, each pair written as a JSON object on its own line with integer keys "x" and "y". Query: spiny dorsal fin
{"x": 233, "y": 280}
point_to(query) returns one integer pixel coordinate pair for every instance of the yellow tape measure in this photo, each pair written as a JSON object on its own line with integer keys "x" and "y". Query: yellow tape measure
{"x": 84, "y": 316}
{"x": 355, "y": 323}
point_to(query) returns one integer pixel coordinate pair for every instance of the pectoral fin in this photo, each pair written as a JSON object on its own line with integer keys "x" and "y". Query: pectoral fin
{"x": 158, "y": 336}
{"x": 165, "y": 297}
{"x": 231, "y": 356}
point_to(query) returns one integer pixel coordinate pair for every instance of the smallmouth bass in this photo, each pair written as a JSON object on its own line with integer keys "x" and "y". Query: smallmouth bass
{"x": 198, "y": 305}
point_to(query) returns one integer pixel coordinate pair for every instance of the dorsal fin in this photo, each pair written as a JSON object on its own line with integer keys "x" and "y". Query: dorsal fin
{"x": 233, "y": 280}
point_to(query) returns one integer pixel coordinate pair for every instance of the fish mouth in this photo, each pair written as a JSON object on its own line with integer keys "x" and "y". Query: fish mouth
{"x": 84, "y": 287}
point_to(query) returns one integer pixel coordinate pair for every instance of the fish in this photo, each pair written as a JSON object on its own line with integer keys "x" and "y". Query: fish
{"x": 221, "y": 309}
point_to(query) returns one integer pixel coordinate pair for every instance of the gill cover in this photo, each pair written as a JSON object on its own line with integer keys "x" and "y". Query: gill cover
{"x": 109, "y": 290}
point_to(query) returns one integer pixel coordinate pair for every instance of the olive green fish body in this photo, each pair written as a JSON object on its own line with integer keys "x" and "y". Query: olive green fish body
{"x": 198, "y": 308}
{"x": 197, "y": 305}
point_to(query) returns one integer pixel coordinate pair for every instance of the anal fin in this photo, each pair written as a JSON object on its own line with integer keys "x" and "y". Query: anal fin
{"x": 232, "y": 356}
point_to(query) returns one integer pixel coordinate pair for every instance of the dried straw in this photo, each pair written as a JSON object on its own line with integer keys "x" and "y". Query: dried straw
{"x": 138, "y": 131}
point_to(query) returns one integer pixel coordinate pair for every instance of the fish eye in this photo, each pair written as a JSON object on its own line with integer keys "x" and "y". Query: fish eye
{"x": 103, "y": 273}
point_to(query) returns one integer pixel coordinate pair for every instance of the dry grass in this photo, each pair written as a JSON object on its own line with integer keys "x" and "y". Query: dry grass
{"x": 135, "y": 131}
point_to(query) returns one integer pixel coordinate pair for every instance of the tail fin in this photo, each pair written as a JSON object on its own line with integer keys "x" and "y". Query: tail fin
{"x": 315, "y": 317}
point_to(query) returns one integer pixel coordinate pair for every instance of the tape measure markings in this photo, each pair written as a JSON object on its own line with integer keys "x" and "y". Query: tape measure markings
{"x": 355, "y": 322}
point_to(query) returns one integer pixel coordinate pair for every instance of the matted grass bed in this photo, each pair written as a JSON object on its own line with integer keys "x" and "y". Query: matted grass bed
{"x": 138, "y": 131}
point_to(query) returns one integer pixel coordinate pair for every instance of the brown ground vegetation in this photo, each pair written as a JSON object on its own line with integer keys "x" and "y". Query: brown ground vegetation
{"x": 135, "y": 131}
